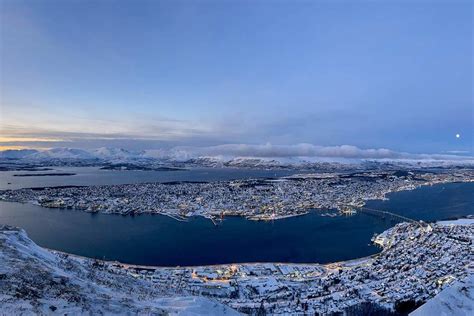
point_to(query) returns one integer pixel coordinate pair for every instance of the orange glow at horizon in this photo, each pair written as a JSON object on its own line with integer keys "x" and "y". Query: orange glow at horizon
{"x": 6, "y": 142}
{"x": 27, "y": 139}
{"x": 17, "y": 147}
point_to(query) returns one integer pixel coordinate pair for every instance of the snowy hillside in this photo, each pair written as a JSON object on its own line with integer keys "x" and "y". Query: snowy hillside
{"x": 456, "y": 300}
{"x": 115, "y": 153}
{"x": 34, "y": 280}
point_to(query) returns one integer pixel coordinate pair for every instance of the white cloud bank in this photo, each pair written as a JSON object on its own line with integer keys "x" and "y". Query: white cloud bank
{"x": 300, "y": 151}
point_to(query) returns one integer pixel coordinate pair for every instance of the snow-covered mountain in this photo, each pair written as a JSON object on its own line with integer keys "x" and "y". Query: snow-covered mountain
{"x": 180, "y": 156}
{"x": 107, "y": 153}
{"x": 211, "y": 162}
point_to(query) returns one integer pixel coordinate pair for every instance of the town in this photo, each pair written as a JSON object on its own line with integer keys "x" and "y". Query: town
{"x": 262, "y": 199}
{"x": 418, "y": 260}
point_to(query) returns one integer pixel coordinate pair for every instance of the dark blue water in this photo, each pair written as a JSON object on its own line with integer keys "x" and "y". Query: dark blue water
{"x": 431, "y": 203}
{"x": 159, "y": 240}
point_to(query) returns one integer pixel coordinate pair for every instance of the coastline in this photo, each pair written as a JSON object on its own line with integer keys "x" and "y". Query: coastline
{"x": 219, "y": 282}
{"x": 215, "y": 218}
{"x": 202, "y": 244}
{"x": 460, "y": 221}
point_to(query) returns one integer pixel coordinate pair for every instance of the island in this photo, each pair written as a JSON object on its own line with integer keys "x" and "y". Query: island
{"x": 257, "y": 199}
{"x": 57, "y": 174}
{"x": 130, "y": 167}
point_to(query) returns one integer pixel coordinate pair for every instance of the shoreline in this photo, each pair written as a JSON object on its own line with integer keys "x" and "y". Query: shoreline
{"x": 217, "y": 218}
{"x": 327, "y": 266}
{"x": 326, "y": 288}
{"x": 340, "y": 262}
{"x": 466, "y": 220}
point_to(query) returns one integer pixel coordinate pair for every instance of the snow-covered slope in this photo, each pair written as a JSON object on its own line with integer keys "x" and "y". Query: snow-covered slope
{"x": 456, "y": 300}
{"x": 34, "y": 280}
{"x": 460, "y": 221}
{"x": 115, "y": 153}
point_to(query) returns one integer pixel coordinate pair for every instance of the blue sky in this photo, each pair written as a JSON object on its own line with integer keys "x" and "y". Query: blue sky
{"x": 143, "y": 75}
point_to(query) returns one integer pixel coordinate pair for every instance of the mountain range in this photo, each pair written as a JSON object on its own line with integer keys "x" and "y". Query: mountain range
{"x": 175, "y": 156}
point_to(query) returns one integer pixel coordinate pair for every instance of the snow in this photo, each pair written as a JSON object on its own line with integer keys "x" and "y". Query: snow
{"x": 192, "y": 305}
{"x": 455, "y": 300}
{"x": 115, "y": 153}
{"x": 34, "y": 280}
{"x": 211, "y": 156}
{"x": 461, "y": 221}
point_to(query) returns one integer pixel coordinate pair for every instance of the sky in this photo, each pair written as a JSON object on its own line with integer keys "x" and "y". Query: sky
{"x": 159, "y": 74}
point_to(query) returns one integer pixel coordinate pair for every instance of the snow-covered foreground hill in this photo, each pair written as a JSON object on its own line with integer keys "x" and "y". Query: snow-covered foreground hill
{"x": 34, "y": 280}
{"x": 419, "y": 261}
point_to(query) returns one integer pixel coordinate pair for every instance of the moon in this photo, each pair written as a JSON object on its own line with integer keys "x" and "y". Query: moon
{"x": 457, "y": 135}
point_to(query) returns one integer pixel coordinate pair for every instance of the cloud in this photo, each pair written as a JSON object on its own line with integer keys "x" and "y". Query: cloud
{"x": 176, "y": 138}
{"x": 456, "y": 152}
{"x": 304, "y": 151}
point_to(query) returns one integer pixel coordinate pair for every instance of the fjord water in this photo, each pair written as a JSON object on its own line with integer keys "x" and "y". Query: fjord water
{"x": 159, "y": 240}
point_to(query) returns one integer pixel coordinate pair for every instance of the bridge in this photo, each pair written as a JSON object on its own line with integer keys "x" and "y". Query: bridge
{"x": 384, "y": 214}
